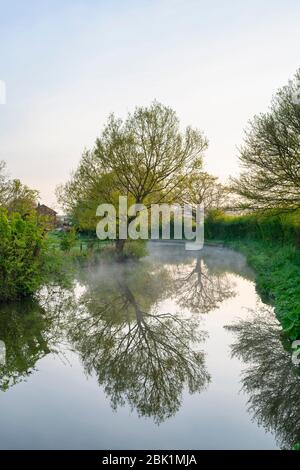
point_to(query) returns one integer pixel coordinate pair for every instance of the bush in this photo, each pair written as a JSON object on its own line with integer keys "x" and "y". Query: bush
{"x": 68, "y": 240}
{"x": 22, "y": 250}
{"x": 284, "y": 229}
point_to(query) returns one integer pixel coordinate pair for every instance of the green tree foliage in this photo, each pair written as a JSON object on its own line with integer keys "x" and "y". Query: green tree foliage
{"x": 15, "y": 196}
{"x": 270, "y": 155}
{"x": 68, "y": 240}
{"x": 203, "y": 188}
{"x": 22, "y": 249}
{"x": 21, "y": 199}
{"x": 3, "y": 183}
{"x": 144, "y": 157}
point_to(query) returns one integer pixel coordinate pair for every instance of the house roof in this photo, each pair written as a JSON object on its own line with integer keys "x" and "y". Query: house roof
{"x": 45, "y": 209}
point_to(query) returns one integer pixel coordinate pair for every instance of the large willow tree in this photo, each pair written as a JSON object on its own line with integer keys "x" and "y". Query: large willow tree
{"x": 270, "y": 155}
{"x": 145, "y": 157}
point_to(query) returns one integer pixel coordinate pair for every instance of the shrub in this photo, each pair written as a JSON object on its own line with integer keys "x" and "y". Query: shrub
{"x": 68, "y": 240}
{"x": 22, "y": 249}
{"x": 262, "y": 227}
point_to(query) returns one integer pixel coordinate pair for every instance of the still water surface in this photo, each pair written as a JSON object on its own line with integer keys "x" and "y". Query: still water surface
{"x": 175, "y": 351}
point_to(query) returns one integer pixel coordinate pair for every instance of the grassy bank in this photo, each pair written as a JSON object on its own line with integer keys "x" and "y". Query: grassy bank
{"x": 86, "y": 247}
{"x": 270, "y": 245}
{"x": 83, "y": 243}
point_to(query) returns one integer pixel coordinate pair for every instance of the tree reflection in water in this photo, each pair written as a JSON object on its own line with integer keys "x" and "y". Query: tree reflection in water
{"x": 142, "y": 355}
{"x": 30, "y": 330}
{"x": 144, "y": 347}
{"x": 136, "y": 326}
{"x": 22, "y": 329}
{"x": 271, "y": 380}
{"x": 199, "y": 289}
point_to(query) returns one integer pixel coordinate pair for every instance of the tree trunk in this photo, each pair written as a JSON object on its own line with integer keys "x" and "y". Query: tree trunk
{"x": 120, "y": 249}
{"x": 297, "y": 240}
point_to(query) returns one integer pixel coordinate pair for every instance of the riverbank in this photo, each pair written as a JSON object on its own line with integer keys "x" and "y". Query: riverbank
{"x": 271, "y": 244}
{"x": 278, "y": 275}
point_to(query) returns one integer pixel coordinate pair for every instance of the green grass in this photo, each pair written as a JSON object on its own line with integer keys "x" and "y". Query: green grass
{"x": 270, "y": 244}
{"x": 277, "y": 270}
{"x": 84, "y": 243}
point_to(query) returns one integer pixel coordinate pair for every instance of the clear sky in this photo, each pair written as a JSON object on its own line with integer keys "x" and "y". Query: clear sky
{"x": 68, "y": 63}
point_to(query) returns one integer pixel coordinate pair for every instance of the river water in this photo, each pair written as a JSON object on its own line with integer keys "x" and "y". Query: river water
{"x": 176, "y": 351}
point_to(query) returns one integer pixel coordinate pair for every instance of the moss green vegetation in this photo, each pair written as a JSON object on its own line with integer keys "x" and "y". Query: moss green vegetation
{"x": 270, "y": 244}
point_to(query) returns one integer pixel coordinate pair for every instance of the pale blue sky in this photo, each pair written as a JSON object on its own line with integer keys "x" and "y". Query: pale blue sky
{"x": 68, "y": 63}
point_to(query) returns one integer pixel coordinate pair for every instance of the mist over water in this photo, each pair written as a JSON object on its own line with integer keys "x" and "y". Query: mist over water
{"x": 173, "y": 351}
